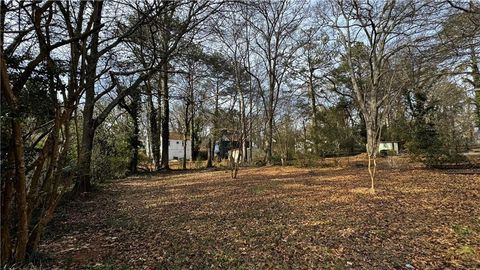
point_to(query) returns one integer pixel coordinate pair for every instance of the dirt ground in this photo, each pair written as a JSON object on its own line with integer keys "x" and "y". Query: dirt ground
{"x": 272, "y": 218}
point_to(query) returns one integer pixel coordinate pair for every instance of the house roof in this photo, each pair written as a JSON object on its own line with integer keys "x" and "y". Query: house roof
{"x": 177, "y": 136}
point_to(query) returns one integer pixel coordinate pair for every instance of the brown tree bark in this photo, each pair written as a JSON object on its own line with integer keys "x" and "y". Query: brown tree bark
{"x": 134, "y": 139}
{"x": 153, "y": 123}
{"x": 20, "y": 192}
{"x": 83, "y": 183}
{"x": 185, "y": 134}
{"x": 165, "y": 115}
{"x": 7, "y": 196}
{"x": 313, "y": 104}
{"x": 209, "y": 153}
{"x": 476, "y": 82}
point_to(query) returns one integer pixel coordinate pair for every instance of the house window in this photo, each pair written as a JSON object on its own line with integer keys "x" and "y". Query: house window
{"x": 177, "y": 142}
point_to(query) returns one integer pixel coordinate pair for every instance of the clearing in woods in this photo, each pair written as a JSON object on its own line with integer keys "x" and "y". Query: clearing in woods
{"x": 273, "y": 217}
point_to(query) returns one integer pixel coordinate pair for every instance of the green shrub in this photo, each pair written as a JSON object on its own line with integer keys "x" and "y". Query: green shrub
{"x": 111, "y": 153}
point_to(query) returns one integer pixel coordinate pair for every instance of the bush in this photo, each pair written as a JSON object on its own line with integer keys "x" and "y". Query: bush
{"x": 111, "y": 152}
{"x": 306, "y": 160}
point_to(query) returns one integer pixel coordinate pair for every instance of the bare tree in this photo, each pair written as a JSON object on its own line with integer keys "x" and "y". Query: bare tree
{"x": 372, "y": 35}
{"x": 41, "y": 181}
{"x": 99, "y": 52}
{"x": 232, "y": 33}
{"x": 274, "y": 26}
{"x": 176, "y": 22}
{"x": 316, "y": 58}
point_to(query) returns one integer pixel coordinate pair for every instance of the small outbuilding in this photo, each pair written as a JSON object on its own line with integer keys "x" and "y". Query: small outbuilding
{"x": 388, "y": 146}
{"x": 176, "y": 145}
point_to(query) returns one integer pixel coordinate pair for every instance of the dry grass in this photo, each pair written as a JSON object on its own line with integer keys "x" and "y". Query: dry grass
{"x": 273, "y": 217}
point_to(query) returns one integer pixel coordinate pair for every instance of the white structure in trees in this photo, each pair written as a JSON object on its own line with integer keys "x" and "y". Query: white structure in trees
{"x": 175, "y": 149}
{"x": 175, "y": 146}
{"x": 388, "y": 146}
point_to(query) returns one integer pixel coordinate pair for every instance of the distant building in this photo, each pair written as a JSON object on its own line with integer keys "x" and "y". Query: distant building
{"x": 388, "y": 146}
{"x": 225, "y": 143}
{"x": 175, "y": 146}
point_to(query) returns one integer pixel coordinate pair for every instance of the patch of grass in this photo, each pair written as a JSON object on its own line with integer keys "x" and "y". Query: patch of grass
{"x": 461, "y": 230}
{"x": 465, "y": 250}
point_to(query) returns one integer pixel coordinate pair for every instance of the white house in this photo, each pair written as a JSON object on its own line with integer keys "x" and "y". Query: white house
{"x": 175, "y": 146}
{"x": 175, "y": 150}
{"x": 389, "y": 146}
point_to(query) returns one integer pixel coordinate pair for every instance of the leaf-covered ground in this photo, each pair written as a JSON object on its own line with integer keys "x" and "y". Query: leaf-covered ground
{"x": 273, "y": 218}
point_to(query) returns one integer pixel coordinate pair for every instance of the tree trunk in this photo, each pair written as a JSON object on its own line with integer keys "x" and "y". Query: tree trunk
{"x": 83, "y": 183}
{"x": 250, "y": 128}
{"x": 134, "y": 139}
{"x": 209, "y": 153}
{"x": 269, "y": 140}
{"x": 193, "y": 155}
{"x": 20, "y": 192}
{"x": 216, "y": 120}
{"x": 269, "y": 111}
{"x": 135, "y": 145}
{"x": 476, "y": 83}
{"x": 184, "y": 161}
{"x": 243, "y": 124}
{"x": 313, "y": 104}
{"x": 372, "y": 147}
{"x": 77, "y": 133}
{"x": 51, "y": 183}
{"x": 192, "y": 113}
{"x": 6, "y": 198}
{"x": 153, "y": 123}
{"x": 166, "y": 115}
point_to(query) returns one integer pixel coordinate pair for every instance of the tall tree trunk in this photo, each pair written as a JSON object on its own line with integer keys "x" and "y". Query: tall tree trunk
{"x": 269, "y": 139}
{"x": 20, "y": 192}
{"x": 209, "y": 153}
{"x": 192, "y": 135}
{"x": 135, "y": 138}
{"x": 216, "y": 115}
{"x": 269, "y": 112}
{"x": 52, "y": 182}
{"x": 184, "y": 161}
{"x": 166, "y": 115}
{"x": 153, "y": 124}
{"x": 6, "y": 198}
{"x": 314, "y": 116}
{"x": 476, "y": 82}
{"x": 77, "y": 133}
{"x": 83, "y": 183}
{"x": 18, "y": 151}
{"x": 372, "y": 148}
{"x": 250, "y": 126}
{"x": 243, "y": 124}
{"x": 192, "y": 120}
